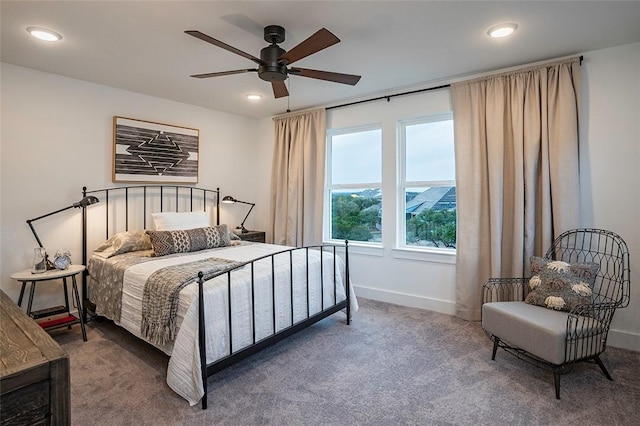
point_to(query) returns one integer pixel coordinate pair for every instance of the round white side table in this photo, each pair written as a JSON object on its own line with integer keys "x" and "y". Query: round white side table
{"x": 54, "y": 274}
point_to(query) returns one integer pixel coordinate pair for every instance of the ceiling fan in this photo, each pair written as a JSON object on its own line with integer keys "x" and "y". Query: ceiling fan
{"x": 273, "y": 64}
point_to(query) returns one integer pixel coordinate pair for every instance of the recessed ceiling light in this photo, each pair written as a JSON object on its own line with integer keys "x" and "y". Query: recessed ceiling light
{"x": 502, "y": 30}
{"x": 253, "y": 96}
{"x": 44, "y": 34}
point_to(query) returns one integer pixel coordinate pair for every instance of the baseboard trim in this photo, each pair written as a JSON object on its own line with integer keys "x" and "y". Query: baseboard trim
{"x": 617, "y": 338}
{"x": 624, "y": 340}
{"x": 405, "y": 299}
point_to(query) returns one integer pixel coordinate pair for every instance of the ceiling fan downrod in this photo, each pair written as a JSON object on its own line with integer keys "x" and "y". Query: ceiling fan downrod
{"x": 272, "y": 70}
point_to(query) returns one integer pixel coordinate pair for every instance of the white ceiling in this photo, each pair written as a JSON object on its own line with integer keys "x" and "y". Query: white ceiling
{"x": 141, "y": 45}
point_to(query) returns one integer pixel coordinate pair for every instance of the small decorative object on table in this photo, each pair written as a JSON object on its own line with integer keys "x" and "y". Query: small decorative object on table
{"x": 39, "y": 264}
{"x": 62, "y": 259}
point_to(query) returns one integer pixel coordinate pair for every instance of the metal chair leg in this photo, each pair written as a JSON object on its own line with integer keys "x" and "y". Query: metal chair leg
{"x": 603, "y": 368}
{"x": 556, "y": 380}
{"x": 496, "y": 340}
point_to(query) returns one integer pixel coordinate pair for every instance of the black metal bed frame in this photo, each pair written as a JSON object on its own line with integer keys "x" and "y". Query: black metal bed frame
{"x": 183, "y": 192}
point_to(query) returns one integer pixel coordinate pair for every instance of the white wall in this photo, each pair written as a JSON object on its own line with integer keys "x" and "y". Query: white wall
{"x": 57, "y": 137}
{"x": 610, "y": 163}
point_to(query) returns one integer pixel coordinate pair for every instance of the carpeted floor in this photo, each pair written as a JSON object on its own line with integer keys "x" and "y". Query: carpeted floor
{"x": 393, "y": 366}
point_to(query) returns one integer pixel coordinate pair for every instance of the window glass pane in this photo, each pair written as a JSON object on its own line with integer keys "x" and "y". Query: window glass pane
{"x": 356, "y": 215}
{"x": 356, "y": 157}
{"x": 429, "y": 151}
{"x": 430, "y": 216}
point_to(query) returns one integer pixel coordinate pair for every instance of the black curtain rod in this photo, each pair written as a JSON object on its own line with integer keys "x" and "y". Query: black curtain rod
{"x": 388, "y": 97}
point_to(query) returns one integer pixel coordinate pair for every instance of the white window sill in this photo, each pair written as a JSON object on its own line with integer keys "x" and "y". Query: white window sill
{"x": 447, "y": 256}
{"x": 362, "y": 248}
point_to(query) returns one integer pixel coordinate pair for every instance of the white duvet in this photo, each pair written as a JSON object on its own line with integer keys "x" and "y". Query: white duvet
{"x": 183, "y": 374}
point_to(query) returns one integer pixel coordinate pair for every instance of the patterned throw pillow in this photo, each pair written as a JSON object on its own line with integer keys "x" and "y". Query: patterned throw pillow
{"x": 559, "y": 285}
{"x": 124, "y": 242}
{"x": 184, "y": 241}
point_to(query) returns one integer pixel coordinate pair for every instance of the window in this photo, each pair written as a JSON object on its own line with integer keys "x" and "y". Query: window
{"x": 353, "y": 205}
{"x": 427, "y": 199}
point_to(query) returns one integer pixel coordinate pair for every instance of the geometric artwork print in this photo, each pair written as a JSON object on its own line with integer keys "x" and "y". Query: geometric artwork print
{"x": 154, "y": 152}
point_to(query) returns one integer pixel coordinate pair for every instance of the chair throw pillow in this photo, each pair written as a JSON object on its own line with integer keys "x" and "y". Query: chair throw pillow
{"x": 184, "y": 241}
{"x": 559, "y": 285}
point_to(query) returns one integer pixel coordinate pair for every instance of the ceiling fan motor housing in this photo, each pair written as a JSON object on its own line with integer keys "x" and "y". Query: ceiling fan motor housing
{"x": 272, "y": 70}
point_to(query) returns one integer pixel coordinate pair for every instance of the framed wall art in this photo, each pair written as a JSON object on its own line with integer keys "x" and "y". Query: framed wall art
{"x": 149, "y": 152}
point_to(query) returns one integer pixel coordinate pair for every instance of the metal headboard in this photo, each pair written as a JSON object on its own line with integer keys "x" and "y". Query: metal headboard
{"x": 127, "y": 206}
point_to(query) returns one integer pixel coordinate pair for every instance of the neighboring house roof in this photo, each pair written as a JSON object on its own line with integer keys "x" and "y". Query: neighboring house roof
{"x": 437, "y": 198}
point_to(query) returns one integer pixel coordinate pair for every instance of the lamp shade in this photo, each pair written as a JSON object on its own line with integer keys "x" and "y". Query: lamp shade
{"x": 228, "y": 199}
{"x": 86, "y": 201}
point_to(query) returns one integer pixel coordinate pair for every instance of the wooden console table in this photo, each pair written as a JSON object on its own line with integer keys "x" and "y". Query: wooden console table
{"x": 34, "y": 371}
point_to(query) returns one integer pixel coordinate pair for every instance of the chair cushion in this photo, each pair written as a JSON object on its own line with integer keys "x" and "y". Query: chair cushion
{"x": 559, "y": 285}
{"x": 541, "y": 332}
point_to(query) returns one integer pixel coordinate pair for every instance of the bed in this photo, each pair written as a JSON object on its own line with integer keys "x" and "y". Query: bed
{"x": 193, "y": 289}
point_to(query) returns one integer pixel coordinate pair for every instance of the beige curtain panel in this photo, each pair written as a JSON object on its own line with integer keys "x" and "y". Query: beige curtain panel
{"x": 517, "y": 177}
{"x": 297, "y": 182}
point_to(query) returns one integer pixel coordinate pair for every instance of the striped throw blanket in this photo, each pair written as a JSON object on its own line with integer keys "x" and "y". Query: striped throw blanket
{"x": 160, "y": 295}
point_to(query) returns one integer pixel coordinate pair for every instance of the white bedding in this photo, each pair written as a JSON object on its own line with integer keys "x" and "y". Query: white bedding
{"x": 183, "y": 374}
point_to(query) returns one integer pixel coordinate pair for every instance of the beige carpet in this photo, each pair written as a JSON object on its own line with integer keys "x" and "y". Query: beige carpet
{"x": 393, "y": 366}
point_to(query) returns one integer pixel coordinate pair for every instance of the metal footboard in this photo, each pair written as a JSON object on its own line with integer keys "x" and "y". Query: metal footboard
{"x": 276, "y": 336}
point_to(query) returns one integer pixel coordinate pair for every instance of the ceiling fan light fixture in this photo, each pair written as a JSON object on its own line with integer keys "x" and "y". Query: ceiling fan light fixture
{"x": 44, "y": 34}
{"x": 502, "y": 30}
{"x": 253, "y": 96}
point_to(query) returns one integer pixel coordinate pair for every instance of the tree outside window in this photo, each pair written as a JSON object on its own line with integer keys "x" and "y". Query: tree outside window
{"x": 428, "y": 178}
{"x": 354, "y": 165}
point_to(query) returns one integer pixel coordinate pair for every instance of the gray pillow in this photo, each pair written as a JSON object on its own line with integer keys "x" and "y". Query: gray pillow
{"x": 189, "y": 240}
{"x": 559, "y": 285}
{"x": 124, "y": 242}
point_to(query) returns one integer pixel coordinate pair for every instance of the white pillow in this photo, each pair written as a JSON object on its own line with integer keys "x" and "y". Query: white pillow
{"x": 173, "y": 221}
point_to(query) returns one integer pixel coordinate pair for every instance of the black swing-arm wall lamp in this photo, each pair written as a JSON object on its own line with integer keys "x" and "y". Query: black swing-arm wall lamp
{"x": 230, "y": 200}
{"x": 86, "y": 201}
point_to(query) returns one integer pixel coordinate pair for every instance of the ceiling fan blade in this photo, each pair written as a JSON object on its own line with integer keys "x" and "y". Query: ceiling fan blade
{"x": 326, "y": 75}
{"x": 279, "y": 89}
{"x": 225, "y": 46}
{"x": 321, "y": 39}
{"x": 218, "y": 74}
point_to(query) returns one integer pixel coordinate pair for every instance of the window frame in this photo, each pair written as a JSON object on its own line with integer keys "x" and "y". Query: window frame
{"x": 403, "y": 185}
{"x": 330, "y": 186}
